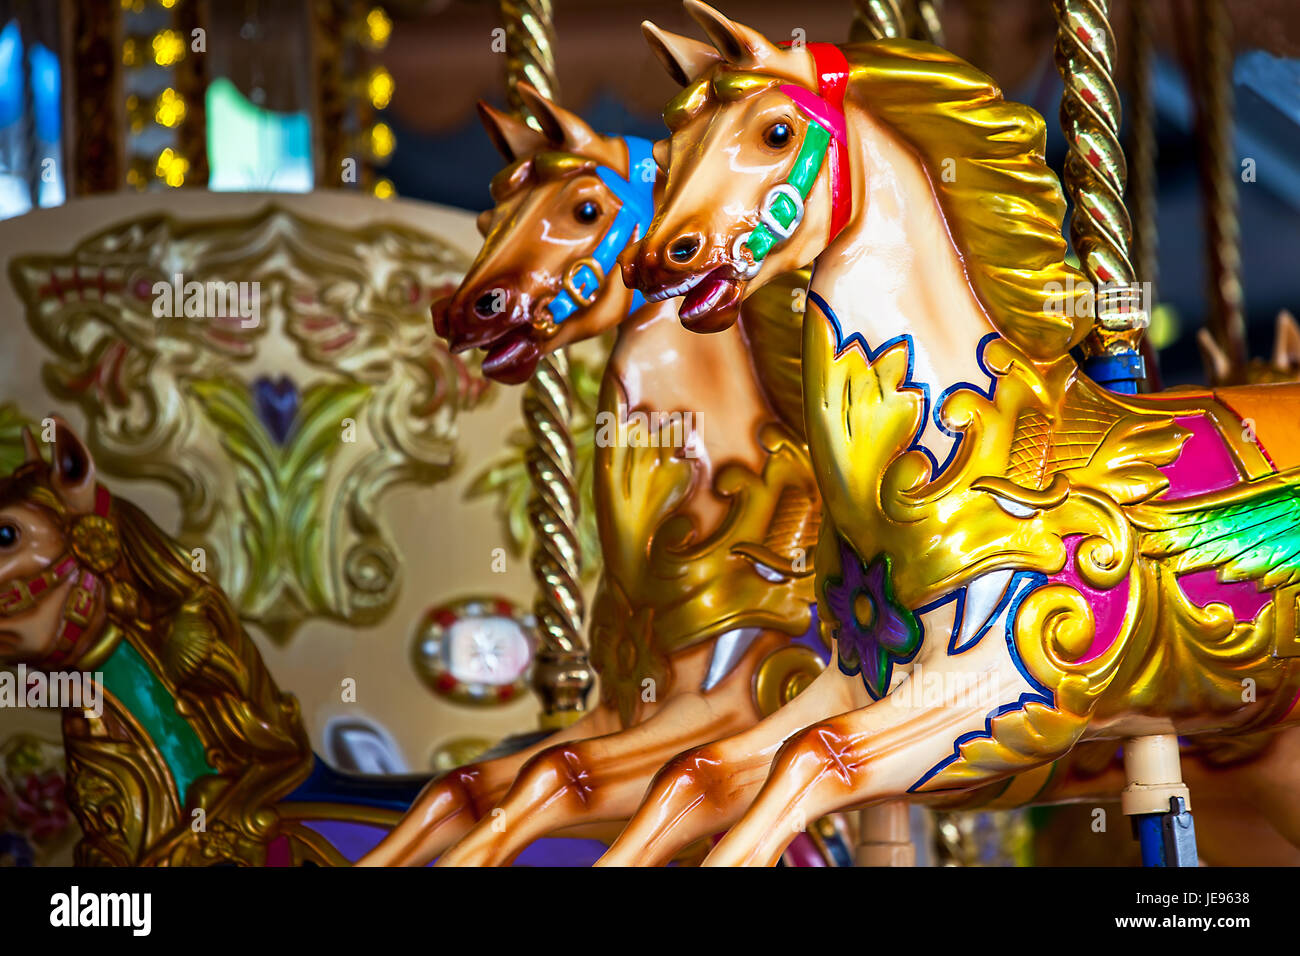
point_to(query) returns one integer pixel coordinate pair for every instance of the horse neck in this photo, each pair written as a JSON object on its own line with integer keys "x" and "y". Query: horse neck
{"x": 895, "y": 271}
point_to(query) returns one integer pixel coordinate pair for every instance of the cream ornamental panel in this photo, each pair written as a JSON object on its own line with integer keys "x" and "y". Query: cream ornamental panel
{"x": 312, "y": 623}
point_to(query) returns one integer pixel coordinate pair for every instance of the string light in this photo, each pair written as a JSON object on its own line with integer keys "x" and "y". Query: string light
{"x": 171, "y": 167}
{"x": 378, "y": 29}
{"x": 380, "y": 87}
{"x": 382, "y": 141}
{"x": 384, "y": 189}
{"x": 168, "y": 47}
{"x": 169, "y": 108}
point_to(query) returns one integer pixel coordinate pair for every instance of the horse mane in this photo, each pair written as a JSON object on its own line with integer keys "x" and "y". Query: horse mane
{"x": 774, "y": 331}
{"x": 1002, "y": 202}
{"x": 163, "y": 571}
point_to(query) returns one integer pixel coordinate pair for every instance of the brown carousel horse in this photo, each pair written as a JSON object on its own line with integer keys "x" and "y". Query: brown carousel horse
{"x": 193, "y": 755}
{"x": 705, "y": 501}
{"x": 1113, "y": 567}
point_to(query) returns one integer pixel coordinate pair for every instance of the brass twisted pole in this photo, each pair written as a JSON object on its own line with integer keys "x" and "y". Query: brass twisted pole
{"x": 895, "y": 19}
{"x": 1142, "y": 148}
{"x": 1095, "y": 172}
{"x": 1218, "y": 173}
{"x": 562, "y": 676}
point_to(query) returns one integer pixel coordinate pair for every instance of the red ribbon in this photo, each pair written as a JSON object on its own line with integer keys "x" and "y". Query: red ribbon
{"x": 832, "y": 81}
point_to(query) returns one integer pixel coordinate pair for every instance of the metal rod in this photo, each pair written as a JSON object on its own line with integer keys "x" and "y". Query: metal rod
{"x": 562, "y": 676}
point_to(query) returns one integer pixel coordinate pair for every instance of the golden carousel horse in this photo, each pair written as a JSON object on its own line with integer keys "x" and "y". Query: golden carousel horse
{"x": 1099, "y": 566}
{"x": 706, "y": 506}
{"x": 190, "y": 755}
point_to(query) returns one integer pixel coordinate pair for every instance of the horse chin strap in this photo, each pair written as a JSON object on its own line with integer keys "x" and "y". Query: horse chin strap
{"x": 782, "y": 209}
{"x": 95, "y": 548}
{"x": 583, "y": 279}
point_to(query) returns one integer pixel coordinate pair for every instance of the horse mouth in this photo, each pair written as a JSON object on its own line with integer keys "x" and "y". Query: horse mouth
{"x": 711, "y": 300}
{"x": 512, "y": 358}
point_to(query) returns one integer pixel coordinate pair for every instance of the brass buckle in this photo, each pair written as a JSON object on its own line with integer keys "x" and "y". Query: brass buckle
{"x": 80, "y": 604}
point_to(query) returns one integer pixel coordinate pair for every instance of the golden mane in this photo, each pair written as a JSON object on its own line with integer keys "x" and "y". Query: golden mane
{"x": 984, "y": 159}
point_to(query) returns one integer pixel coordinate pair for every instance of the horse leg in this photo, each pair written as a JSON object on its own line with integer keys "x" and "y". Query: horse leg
{"x": 448, "y": 807}
{"x": 703, "y": 791}
{"x": 598, "y": 779}
{"x": 868, "y": 755}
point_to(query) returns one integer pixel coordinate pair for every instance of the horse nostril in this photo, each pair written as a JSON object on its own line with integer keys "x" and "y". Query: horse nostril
{"x": 684, "y": 249}
{"x": 490, "y": 304}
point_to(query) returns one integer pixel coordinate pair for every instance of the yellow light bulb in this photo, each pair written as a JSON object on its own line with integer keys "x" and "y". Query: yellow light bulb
{"x": 168, "y": 47}
{"x": 384, "y": 189}
{"x": 169, "y": 108}
{"x": 382, "y": 141}
{"x": 380, "y": 87}
{"x": 171, "y": 167}
{"x": 378, "y": 28}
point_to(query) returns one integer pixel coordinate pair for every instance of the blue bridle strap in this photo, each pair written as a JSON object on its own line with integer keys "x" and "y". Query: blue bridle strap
{"x": 636, "y": 193}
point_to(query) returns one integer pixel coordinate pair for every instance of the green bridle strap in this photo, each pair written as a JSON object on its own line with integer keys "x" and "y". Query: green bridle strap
{"x": 812, "y": 153}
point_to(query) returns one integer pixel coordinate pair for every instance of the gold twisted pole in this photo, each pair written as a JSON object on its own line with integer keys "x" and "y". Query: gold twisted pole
{"x": 1095, "y": 172}
{"x": 895, "y": 19}
{"x": 1218, "y": 172}
{"x": 562, "y": 677}
{"x": 1142, "y": 148}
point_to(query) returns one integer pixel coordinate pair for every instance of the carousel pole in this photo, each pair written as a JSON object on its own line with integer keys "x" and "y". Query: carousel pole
{"x": 1095, "y": 175}
{"x": 1155, "y": 798}
{"x": 1227, "y": 324}
{"x": 562, "y": 677}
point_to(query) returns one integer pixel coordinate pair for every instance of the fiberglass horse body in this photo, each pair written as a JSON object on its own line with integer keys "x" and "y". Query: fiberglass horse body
{"x": 706, "y": 506}
{"x": 1065, "y": 562}
{"x": 196, "y": 757}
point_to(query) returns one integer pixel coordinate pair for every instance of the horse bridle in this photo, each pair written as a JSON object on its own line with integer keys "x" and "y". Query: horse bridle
{"x": 94, "y": 548}
{"x": 582, "y": 279}
{"x": 782, "y": 209}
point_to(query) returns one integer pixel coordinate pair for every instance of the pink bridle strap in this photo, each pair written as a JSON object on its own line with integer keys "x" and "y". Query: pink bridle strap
{"x": 826, "y": 108}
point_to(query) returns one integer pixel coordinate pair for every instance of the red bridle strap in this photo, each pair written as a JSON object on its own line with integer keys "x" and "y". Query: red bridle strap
{"x": 832, "y": 81}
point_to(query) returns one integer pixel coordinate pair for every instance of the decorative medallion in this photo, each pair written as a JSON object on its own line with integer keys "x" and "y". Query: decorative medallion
{"x": 476, "y": 650}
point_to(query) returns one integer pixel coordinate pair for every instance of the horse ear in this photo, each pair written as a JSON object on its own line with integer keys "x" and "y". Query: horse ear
{"x": 31, "y": 450}
{"x": 511, "y": 136}
{"x": 682, "y": 57}
{"x": 737, "y": 43}
{"x": 1217, "y": 366}
{"x": 562, "y": 129}
{"x": 72, "y": 472}
{"x": 1286, "y": 343}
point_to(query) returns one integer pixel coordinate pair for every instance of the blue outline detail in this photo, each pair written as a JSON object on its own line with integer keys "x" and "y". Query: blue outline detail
{"x": 635, "y": 212}
{"x": 928, "y": 412}
{"x": 1007, "y": 595}
{"x": 1023, "y": 583}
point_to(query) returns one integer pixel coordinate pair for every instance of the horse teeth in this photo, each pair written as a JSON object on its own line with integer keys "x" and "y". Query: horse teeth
{"x": 982, "y": 598}
{"x": 673, "y": 291}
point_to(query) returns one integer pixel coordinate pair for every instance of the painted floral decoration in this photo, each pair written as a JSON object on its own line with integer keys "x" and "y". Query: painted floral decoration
{"x": 873, "y": 631}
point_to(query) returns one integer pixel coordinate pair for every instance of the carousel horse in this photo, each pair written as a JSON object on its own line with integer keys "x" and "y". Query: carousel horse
{"x": 1103, "y": 566}
{"x": 193, "y": 756}
{"x": 705, "y": 500}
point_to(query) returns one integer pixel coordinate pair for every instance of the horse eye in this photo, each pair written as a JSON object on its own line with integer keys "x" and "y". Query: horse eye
{"x": 8, "y": 535}
{"x": 587, "y": 212}
{"x": 778, "y": 135}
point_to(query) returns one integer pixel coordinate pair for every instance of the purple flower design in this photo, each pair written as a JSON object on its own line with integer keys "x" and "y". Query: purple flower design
{"x": 872, "y": 629}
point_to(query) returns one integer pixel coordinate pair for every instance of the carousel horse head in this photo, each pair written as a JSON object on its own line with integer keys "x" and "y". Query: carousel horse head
{"x": 54, "y": 541}
{"x": 566, "y": 205}
{"x": 776, "y": 152}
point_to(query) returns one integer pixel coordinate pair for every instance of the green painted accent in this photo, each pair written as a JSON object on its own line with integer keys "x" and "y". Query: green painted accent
{"x": 128, "y": 678}
{"x": 812, "y": 153}
{"x": 1256, "y": 539}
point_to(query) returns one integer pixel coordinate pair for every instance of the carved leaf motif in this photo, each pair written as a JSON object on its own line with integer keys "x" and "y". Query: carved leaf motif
{"x": 282, "y": 489}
